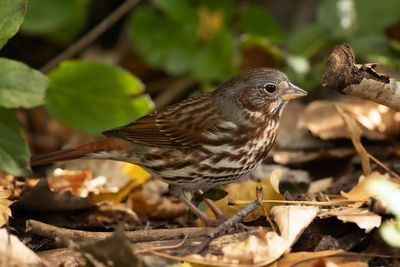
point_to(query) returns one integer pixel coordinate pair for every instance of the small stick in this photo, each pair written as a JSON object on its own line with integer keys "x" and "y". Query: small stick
{"x": 343, "y": 74}
{"x": 230, "y": 222}
{"x": 51, "y": 231}
{"x": 92, "y": 35}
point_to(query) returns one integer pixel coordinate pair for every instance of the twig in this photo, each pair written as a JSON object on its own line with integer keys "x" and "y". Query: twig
{"x": 343, "y": 74}
{"x": 230, "y": 222}
{"x": 92, "y": 35}
{"x": 51, "y": 231}
{"x": 338, "y": 202}
{"x": 173, "y": 91}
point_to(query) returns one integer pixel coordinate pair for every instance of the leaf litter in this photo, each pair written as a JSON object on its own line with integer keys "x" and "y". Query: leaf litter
{"x": 294, "y": 202}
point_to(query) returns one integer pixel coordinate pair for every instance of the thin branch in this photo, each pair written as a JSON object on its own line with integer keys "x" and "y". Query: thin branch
{"x": 51, "y": 231}
{"x": 343, "y": 74}
{"x": 92, "y": 35}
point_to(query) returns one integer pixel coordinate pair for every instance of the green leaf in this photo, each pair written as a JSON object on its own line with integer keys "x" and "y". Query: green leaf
{"x": 217, "y": 60}
{"x": 61, "y": 20}
{"x": 14, "y": 153}
{"x": 93, "y": 97}
{"x": 179, "y": 11}
{"x": 256, "y": 20}
{"x": 215, "y": 194}
{"x": 168, "y": 47}
{"x": 12, "y": 14}
{"x": 21, "y": 86}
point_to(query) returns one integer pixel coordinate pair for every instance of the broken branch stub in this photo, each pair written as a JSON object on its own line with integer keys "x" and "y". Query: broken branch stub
{"x": 344, "y": 75}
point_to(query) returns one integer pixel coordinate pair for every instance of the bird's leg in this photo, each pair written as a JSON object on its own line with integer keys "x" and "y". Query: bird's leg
{"x": 215, "y": 210}
{"x": 179, "y": 193}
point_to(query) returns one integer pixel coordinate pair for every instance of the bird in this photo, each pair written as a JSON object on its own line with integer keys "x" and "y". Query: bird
{"x": 202, "y": 142}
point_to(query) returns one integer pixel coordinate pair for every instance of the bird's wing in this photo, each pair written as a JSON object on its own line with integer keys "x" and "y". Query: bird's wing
{"x": 185, "y": 124}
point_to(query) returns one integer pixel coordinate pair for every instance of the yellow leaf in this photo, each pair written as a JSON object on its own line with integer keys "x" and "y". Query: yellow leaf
{"x": 247, "y": 191}
{"x": 210, "y": 22}
{"x": 5, "y": 211}
{"x": 138, "y": 177}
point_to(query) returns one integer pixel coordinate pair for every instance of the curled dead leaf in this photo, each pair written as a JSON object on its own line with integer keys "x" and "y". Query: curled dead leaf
{"x": 378, "y": 121}
{"x": 150, "y": 201}
{"x": 5, "y": 203}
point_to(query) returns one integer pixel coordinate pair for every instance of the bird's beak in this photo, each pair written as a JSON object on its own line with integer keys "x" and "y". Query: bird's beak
{"x": 293, "y": 92}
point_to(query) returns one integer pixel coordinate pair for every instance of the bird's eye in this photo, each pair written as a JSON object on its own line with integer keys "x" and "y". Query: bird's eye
{"x": 270, "y": 88}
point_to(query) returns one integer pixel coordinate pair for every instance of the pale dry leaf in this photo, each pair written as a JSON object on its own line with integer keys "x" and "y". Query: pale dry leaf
{"x": 14, "y": 253}
{"x": 255, "y": 250}
{"x": 377, "y": 121}
{"x": 355, "y": 134}
{"x": 5, "y": 211}
{"x": 320, "y": 185}
{"x": 292, "y": 259}
{"x": 364, "y": 218}
{"x": 293, "y": 220}
{"x": 360, "y": 192}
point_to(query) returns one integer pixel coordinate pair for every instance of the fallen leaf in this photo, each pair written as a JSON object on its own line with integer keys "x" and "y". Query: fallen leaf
{"x": 14, "y": 253}
{"x": 378, "y": 121}
{"x": 293, "y": 220}
{"x": 73, "y": 180}
{"x": 360, "y": 193}
{"x": 5, "y": 211}
{"x": 246, "y": 191}
{"x": 355, "y": 134}
{"x": 364, "y": 218}
{"x": 256, "y": 250}
{"x": 150, "y": 201}
{"x": 42, "y": 199}
{"x": 320, "y": 185}
{"x": 137, "y": 176}
{"x": 294, "y": 259}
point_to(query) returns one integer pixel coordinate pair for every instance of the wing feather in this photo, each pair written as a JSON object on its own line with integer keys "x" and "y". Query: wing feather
{"x": 179, "y": 125}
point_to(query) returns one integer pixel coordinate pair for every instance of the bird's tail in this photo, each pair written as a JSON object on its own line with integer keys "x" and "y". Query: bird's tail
{"x": 107, "y": 144}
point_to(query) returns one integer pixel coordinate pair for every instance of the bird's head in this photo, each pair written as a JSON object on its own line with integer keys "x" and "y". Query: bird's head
{"x": 262, "y": 90}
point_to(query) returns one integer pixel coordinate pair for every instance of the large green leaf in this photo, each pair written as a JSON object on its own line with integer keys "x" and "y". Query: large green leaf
{"x": 14, "y": 153}
{"x": 11, "y": 16}
{"x": 256, "y": 20}
{"x": 93, "y": 97}
{"x": 21, "y": 86}
{"x": 217, "y": 60}
{"x": 169, "y": 47}
{"x": 60, "y": 20}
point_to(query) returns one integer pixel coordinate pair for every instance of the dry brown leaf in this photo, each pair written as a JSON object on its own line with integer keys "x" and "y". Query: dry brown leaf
{"x": 378, "y": 121}
{"x": 364, "y": 218}
{"x": 149, "y": 201}
{"x": 355, "y": 134}
{"x": 247, "y": 191}
{"x": 293, "y": 220}
{"x": 73, "y": 180}
{"x": 5, "y": 211}
{"x": 294, "y": 259}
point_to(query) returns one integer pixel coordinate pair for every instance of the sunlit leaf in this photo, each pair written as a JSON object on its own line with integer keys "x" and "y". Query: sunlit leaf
{"x": 21, "y": 86}
{"x": 14, "y": 153}
{"x": 93, "y": 97}
{"x": 11, "y": 16}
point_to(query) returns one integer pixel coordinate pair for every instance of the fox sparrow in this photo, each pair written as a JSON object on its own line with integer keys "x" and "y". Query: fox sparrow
{"x": 201, "y": 142}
